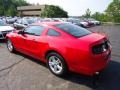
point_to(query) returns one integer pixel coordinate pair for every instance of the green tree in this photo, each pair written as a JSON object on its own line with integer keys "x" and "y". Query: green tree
{"x": 103, "y": 17}
{"x": 52, "y": 11}
{"x": 113, "y": 10}
{"x": 9, "y": 7}
{"x": 96, "y": 15}
{"x": 87, "y": 13}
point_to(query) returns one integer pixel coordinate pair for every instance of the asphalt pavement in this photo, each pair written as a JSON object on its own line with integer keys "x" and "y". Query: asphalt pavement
{"x": 20, "y": 72}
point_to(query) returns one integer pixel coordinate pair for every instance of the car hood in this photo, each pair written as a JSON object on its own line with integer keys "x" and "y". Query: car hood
{"x": 6, "y": 28}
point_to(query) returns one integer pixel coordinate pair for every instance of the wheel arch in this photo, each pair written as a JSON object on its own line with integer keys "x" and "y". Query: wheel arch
{"x": 52, "y": 50}
{"x": 9, "y": 39}
{"x": 6, "y": 38}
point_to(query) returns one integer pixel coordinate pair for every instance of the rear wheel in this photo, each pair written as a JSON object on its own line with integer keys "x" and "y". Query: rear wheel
{"x": 56, "y": 64}
{"x": 10, "y": 45}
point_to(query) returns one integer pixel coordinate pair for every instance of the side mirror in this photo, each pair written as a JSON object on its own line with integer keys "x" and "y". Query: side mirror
{"x": 21, "y": 32}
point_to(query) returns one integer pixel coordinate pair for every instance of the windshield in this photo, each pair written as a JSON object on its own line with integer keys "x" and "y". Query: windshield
{"x": 73, "y": 30}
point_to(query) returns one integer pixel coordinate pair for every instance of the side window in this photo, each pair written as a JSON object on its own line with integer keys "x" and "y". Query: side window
{"x": 34, "y": 30}
{"x": 52, "y": 32}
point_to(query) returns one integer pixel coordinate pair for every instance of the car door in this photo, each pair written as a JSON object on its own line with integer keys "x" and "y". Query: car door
{"x": 19, "y": 42}
{"x": 33, "y": 38}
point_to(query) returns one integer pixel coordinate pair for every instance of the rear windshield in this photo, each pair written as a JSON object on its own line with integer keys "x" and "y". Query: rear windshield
{"x": 73, "y": 30}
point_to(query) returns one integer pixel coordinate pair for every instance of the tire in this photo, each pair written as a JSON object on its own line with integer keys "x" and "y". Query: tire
{"x": 10, "y": 46}
{"x": 56, "y": 64}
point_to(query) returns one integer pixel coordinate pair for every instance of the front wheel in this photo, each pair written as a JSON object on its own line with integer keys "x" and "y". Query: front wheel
{"x": 10, "y": 45}
{"x": 56, "y": 64}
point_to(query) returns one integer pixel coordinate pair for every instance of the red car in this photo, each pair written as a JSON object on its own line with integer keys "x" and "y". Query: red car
{"x": 63, "y": 46}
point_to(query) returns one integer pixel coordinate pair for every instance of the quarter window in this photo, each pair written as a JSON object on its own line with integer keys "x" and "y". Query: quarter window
{"x": 52, "y": 32}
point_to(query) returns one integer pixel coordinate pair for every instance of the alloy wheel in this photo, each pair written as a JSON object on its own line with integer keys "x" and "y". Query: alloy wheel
{"x": 55, "y": 64}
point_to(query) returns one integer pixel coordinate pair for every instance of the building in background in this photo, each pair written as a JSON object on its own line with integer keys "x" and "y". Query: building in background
{"x": 34, "y": 10}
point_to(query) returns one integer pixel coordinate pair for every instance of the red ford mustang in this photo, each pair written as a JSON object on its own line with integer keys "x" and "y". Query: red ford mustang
{"x": 63, "y": 46}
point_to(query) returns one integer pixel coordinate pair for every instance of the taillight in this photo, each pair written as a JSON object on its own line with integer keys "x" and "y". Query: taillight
{"x": 97, "y": 49}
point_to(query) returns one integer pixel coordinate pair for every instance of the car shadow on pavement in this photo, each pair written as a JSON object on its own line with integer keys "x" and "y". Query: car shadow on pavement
{"x": 109, "y": 79}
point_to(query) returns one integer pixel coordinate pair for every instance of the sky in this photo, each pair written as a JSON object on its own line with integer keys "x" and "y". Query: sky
{"x": 76, "y": 7}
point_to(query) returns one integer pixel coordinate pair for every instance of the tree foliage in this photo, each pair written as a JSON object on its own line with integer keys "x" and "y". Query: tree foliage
{"x": 111, "y": 14}
{"x": 87, "y": 13}
{"x": 9, "y": 7}
{"x": 113, "y": 10}
{"x": 52, "y": 11}
{"x": 101, "y": 17}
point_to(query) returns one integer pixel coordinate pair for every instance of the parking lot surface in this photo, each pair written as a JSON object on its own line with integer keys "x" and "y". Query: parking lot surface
{"x": 20, "y": 72}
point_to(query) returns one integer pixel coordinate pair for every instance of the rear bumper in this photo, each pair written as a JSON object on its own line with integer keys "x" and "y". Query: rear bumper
{"x": 92, "y": 64}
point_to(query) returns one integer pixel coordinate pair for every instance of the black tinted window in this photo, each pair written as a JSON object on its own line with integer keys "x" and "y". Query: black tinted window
{"x": 52, "y": 32}
{"x": 34, "y": 30}
{"x": 73, "y": 30}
